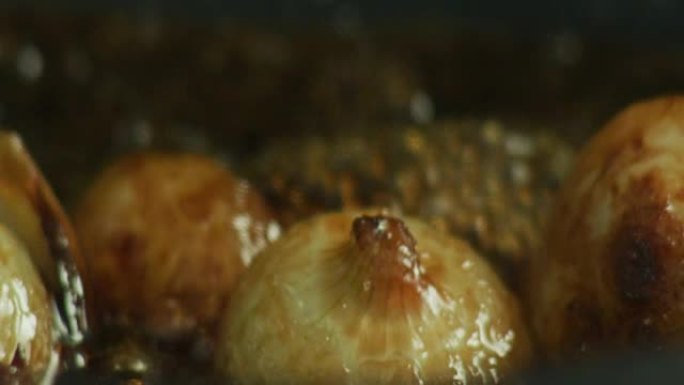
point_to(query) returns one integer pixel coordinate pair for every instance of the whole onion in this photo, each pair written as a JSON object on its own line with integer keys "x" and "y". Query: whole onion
{"x": 165, "y": 237}
{"x": 350, "y": 298}
{"x": 612, "y": 274}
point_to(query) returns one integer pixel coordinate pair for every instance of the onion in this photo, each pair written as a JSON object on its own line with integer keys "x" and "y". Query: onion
{"x": 348, "y": 298}
{"x": 41, "y": 296}
{"x": 613, "y": 272}
{"x": 165, "y": 237}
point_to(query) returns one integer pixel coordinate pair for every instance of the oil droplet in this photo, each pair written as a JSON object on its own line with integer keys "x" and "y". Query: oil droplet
{"x": 272, "y": 231}
{"x": 500, "y": 345}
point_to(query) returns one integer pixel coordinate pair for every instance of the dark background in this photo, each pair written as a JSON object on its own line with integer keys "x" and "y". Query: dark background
{"x": 636, "y": 21}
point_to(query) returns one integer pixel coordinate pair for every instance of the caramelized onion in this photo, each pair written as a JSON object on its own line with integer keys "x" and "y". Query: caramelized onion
{"x": 613, "y": 269}
{"x": 165, "y": 237}
{"x": 347, "y": 298}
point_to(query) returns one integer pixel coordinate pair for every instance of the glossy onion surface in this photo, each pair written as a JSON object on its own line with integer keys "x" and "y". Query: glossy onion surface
{"x": 612, "y": 275}
{"x": 352, "y": 299}
{"x": 165, "y": 237}
{"x": 25, "y": 315}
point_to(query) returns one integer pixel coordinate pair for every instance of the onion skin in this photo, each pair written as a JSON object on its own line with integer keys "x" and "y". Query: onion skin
{"x": 345, "y": 298}
{"x": 612, "y": 272}
{"x": 165, "y": 237}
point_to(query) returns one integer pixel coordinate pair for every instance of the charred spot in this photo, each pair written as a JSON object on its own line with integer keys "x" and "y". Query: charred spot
{"x": 387, "y": 232}
{"x": 642, "y": 244}
{"x": 637, "y": 265}
{"x": 364, "y": 230}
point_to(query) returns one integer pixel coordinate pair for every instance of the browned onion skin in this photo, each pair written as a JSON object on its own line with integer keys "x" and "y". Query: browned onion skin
{"x": 613, "y": 272}
{"x": 165, "y": 237}
{"x": 347, "y": 298}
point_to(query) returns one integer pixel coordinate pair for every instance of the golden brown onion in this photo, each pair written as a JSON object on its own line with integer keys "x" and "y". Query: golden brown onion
{"x": 352, "y": 299}
{"x": 165, "y": 237}
{"x": 613, "y": 268}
